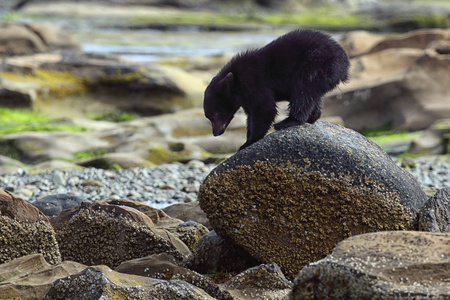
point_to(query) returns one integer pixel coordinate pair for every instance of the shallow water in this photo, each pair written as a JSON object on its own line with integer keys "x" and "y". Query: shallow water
{"x": 151, "y": 45}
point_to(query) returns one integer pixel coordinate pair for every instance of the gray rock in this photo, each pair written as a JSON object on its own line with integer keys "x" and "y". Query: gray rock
{"x": 215, "y": 255}
{"x": 18, "y": 94}
{"x": 265, "y": 282}
{"x": 188, "y": 211}
{"x": 434, "y": 216}
{"x": 189, "y": 233}
{"x": 303, "y": 189}
{"x": 52, "y": 205}
{"x": 381, "y": 265}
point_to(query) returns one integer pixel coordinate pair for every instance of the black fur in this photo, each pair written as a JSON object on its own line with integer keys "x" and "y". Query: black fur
{"x": 299, "y": 67}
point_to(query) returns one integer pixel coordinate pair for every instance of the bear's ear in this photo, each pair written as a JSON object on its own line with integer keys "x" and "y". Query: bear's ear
{"x": 226, "y": 82}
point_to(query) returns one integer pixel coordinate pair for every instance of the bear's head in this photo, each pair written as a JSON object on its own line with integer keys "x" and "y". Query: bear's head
{"x": 219, "y": 104}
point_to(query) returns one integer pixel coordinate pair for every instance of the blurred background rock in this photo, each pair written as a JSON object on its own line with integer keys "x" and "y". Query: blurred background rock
{"x": 129, "y": 76}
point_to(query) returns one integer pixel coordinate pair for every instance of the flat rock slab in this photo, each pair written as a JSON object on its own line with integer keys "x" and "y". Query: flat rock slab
{"x": 292, "y": 196}
{"x": 30, "y": 276}
{"x": 382, "y": 265}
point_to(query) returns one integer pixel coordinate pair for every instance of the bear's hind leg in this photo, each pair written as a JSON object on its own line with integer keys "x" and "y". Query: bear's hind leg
{"x": 315, "y": 115}
{"x": 288, "y": 122}
{"x": 301, "y": 108}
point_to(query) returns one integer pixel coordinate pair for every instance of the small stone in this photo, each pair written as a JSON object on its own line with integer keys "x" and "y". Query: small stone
{"x": 91, "y": 183}
{"x": 58, "y": 178}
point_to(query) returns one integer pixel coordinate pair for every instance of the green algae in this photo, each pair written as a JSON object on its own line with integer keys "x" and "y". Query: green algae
{"x": 14, "y": 121}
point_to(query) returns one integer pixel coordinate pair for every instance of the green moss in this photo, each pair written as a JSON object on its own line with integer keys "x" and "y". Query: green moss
{"x": 420, "y": 21}
{"x": 322, "y": 17}
{"x": 20, "y": 116}
{"x": 159, "y": 155}
{"x": 9, "y": 150}
{"x": 318, "y": 17}
{"x": 121, "y": 76}
{"x": 89, "y": 154}
{"x": 59, "y": 84}
{"x": 184, "y": 132}
{"x": 42, "y": 127}
{"x": 114, "y": 117}
{"x": 396, "y": 136}
{"x": 13, "y": 121}
{"x": 10, "y": 16}
{"x": 441, "y": 125}
{"x": 386, "y": 134}
{"x": 115, "y": 167}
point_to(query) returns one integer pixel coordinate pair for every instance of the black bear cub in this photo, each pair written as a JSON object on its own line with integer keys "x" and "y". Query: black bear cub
{"x": 299, "y": 67}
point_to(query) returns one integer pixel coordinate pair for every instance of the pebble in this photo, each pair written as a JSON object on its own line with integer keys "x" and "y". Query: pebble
{"x": 431, "y": 171}
{"x": 158, "y": 186}
{"x": 165, "y": 184}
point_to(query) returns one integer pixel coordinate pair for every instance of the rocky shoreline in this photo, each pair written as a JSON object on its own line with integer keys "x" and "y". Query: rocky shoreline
{"x": 314, "y": 211}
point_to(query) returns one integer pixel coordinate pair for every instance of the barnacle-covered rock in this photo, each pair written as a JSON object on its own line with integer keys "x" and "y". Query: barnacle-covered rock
{"x": 380, "y": 265}
{"x": 109, "y": 234}
{"x": 292, "y": 196}
{"x": 100, "y": 282}
{"x": 25, "y": 230}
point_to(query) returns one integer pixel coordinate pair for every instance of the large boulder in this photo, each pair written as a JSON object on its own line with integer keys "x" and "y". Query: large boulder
{"x": 381, "y": 265}
{"x": 292, "y": 196}
{"x": 25, "y": 230}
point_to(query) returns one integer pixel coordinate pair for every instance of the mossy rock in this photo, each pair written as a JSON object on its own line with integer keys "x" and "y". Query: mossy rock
{"x": 292, "y": 196}
{"x": 175, "y": 152}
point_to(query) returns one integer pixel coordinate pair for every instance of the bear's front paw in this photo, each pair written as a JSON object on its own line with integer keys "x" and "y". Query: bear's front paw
{"x": 286, "y": 123}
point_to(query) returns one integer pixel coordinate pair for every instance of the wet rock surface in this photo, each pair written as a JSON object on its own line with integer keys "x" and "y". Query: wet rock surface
{"x": 293, "y": 195}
